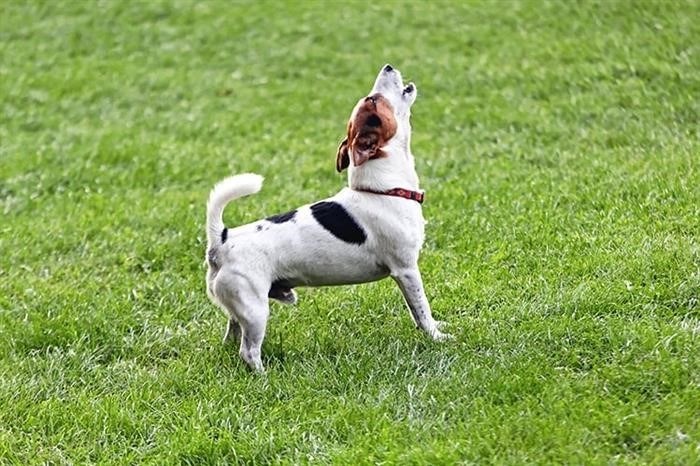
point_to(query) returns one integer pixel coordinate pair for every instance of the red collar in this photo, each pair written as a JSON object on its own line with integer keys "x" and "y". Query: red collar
{"x": 417, "y": 196}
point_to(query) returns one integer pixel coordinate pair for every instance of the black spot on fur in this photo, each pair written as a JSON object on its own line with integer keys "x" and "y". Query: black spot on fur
{"x": 258, "y": 228}
{"x": 224, "y": 235}
{"x": 281, "y": 218}
{"x": 334, "y": 218}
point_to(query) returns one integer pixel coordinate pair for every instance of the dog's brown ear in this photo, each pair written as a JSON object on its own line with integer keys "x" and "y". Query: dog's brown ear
{"x": 342, "y": 158}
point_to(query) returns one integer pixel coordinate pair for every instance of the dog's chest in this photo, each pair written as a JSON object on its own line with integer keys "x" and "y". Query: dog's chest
{"x": 395, "y": 224}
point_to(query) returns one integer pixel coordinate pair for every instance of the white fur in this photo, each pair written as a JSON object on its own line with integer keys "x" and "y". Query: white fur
{"x": 224, "y": 192}
{"x": 243, "y": 269}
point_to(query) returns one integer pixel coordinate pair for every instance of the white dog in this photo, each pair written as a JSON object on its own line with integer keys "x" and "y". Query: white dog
{"x": 368, "y": 231}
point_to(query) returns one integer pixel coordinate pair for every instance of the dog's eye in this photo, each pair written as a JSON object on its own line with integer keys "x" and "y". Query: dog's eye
{"x": 408, "y": 89}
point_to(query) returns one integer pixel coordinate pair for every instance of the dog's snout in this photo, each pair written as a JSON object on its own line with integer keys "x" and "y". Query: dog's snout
{"x": 388, "y": 68}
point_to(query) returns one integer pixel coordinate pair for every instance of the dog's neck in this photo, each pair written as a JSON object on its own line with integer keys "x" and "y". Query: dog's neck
{"x": 394, "y": 170}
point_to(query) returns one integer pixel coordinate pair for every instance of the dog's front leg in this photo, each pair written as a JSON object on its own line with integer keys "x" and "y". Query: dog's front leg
{"x": 411, "y": 285}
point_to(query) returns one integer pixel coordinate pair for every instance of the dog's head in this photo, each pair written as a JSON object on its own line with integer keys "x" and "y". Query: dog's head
{"x": 378, "y": 119}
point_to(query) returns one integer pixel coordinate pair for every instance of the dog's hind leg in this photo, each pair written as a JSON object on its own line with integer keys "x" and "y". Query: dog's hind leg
{"x": 248, "y": 308}
{"x": 253, "y": 332}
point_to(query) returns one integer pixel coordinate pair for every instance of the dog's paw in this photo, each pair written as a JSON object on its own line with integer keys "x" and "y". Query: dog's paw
{"x": 444, "y": 337}
{"x": 437, "y": 335}
{"x": 440, "y": 324}
{"x": 258, "y": 368}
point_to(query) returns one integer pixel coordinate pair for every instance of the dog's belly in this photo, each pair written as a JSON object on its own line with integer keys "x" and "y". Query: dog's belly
{"x": 318, "y": 273}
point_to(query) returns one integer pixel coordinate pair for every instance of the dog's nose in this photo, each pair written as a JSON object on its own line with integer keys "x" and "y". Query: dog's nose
{"x": 388, "y": 68}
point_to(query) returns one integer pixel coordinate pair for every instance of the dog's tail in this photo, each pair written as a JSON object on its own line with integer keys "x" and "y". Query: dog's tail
{"x": 224, "y": 192}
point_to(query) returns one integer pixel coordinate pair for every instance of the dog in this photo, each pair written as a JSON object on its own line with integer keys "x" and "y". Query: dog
{"x": 370, "y": 230}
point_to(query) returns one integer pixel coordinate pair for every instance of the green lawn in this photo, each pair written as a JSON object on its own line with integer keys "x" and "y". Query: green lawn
{"x": 559, "y": 145}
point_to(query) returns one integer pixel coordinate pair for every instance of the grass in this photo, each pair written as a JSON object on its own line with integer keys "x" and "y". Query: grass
{"x": 558, "y": 143}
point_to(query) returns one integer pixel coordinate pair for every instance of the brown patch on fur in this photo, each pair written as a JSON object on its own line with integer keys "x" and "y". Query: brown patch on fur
{"x": 373, "y": 126}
